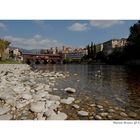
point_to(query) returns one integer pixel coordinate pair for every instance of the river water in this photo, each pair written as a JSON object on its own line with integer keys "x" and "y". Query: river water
{"x": 116, "y": 86}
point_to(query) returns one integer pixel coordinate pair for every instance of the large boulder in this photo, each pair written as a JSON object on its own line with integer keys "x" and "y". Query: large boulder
{"x": 68, "y": 101}
{"x": 54, "y": 97}
{"x": 59, "y": 116}
{"x": 6, "y": 117}
{"x": 51, "y": 104}
{"x": 49, "y": 112}
{"x": 38, "y": 107}
{"x": 4, "y": 110}
{"x": 26, "y": 96}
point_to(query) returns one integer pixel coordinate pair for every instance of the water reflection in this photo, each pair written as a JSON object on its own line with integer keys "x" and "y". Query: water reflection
{"x": 118, "y": 84}
{"x": 133, "y": 81}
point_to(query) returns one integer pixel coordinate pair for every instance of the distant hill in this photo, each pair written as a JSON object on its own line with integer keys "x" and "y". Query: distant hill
{"x": 33, "y": 51}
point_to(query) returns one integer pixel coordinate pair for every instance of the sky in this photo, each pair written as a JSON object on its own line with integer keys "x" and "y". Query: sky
{"x": 43, "y": 34}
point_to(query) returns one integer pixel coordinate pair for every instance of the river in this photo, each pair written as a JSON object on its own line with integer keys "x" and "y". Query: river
{"x": 111, "y": 85}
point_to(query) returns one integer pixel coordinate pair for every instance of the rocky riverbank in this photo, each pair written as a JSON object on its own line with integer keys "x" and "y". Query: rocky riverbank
{"x": 29, "y": 95}
{"x": 25, "y": 94}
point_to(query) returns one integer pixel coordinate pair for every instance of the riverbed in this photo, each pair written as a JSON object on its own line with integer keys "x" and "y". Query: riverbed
{"x": 116, "y": 88}
{"x": 69, "y": 92}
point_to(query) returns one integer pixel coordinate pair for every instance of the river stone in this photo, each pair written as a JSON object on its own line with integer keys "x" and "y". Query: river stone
{"x": 123, "y": 114}
{"x": 19, "y": 89}
{"x": 122, "y": 109}
{"x": 32, "y": 90}
{"x": 53, "y": 106}
{"x": 132, "y": 114}
{"x": 11, "y": 101}
{"x": 6, "y": 96}
{"x": 76, "y": 106}
{"x": 43, "y": 94}
{"x": 55, "y": 89}
{"x": 26, "y": 96}
{"x": 97, "y": 117}
{"x": 77, "y": 101}
{"x": 20, "y": 105}
{"x": 70, "y": 90}
{"x": 38, "y": 107}
{"x": 68, "y": 101}
{"x": 6, "y": 117}
{"x": 39, "y": 87}
{"x": 47, "y": 88}
{"x": 49, "y": 112}
{"x": 116, "y": 108}
{"x": 100, "y": 106}
{"x": 40, "y": 116}
{"x": 51, "y": 78}
{"x": 13, "y": 108}
{"x": 4, "y": 110}
{"x": 54, "y": 97}
{"x": 49, "y": 103}
{"x": 91, "y": 117}
{"x": 101, "y": 109}
{"x": 83, "y": 113}
{"x": 59, "y": 116}
{"x": 37, "y": 97}
{"x": 93, "y": 105}
{"x": 111, "y": 110}
{"x": 120, "y": 100}
{"x": 104, "y": 114}
{"x": 109, "y": 117}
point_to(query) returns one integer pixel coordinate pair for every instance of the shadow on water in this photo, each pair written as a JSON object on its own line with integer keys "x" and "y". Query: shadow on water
{"x": 133, "y": 81}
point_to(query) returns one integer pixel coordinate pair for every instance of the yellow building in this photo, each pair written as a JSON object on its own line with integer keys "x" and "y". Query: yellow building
{"x": 108, "y": 46}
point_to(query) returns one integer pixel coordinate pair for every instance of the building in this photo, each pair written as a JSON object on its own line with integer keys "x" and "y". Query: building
{"x": 16, "y": 52}
{"x": 74, "y": 55}
{"x": 67, "y": 50}
{"x": 108, "y": 46}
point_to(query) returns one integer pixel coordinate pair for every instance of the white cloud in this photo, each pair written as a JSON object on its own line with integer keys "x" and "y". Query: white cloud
{"x": 78, "y": 27}
{"x": 3, "y": 26}
{"x": 35, "y": 42}
{"x": 105, "y": 23}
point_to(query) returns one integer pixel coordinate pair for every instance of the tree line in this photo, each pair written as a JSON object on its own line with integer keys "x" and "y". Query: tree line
{"x": 120, "y": 55}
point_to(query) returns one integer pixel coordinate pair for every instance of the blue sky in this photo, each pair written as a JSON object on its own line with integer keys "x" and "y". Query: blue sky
{"x": 33, "y": 34}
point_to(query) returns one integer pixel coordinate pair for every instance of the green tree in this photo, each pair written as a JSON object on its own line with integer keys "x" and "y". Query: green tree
{"x": 92, "y": 50}
{"x": 3, "y": 45}
{"x": 116, "y": 56}
{"x": 89, "y": 51}
{"x": 132, "y": 49}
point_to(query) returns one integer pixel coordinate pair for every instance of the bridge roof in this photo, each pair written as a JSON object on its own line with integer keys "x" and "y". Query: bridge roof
{"x": 42, "y": 54}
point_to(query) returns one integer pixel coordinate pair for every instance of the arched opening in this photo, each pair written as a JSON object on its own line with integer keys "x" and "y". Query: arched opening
{"x": 45, "y": 61}
{"x": 28, "y": 61}
{"x": 37, "y": 62}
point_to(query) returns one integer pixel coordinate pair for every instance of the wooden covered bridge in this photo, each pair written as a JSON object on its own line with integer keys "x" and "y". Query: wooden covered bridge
{"x": 42, "y": 58}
